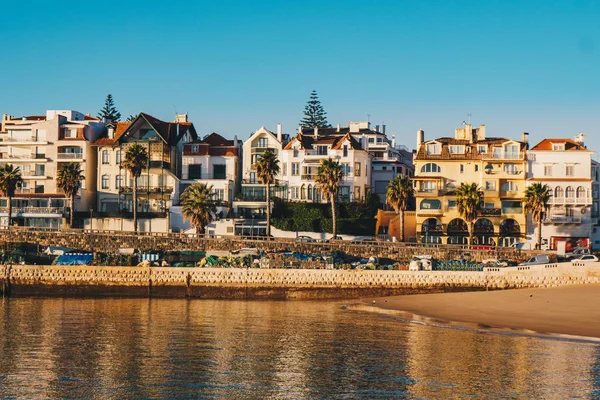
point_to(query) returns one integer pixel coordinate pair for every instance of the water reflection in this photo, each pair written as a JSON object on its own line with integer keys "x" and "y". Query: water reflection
{"x": 132, "y": 348}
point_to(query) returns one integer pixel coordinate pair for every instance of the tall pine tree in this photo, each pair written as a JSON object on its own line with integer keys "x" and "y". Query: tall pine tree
{"x": 314, "y": 113}
{"x": 109, "y": 111}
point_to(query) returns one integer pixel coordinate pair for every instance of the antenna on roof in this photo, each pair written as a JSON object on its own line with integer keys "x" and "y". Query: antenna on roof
{"x": 469, "y": 118}
{"x": 174, "y": 109}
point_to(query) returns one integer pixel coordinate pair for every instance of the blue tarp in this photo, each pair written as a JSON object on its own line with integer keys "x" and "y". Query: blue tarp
{"x": 75, "y": 259}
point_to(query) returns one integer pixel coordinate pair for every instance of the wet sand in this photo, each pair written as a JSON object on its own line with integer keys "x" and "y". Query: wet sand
{"x": 568, "y": 310}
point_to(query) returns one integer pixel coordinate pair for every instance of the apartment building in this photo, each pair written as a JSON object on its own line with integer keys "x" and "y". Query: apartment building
{"x": 214, "y": 161}
{"x": 39, "y": 145}
{"x": 301, "y": 157}
{"x": 565, "y": 165}
{"x": 158, "y": 186}
{"x": 498, "y": 165}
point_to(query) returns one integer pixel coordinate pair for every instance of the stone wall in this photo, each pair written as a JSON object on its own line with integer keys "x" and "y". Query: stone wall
{"x": 111, "y": 241}
{"x": 276, "y": 283}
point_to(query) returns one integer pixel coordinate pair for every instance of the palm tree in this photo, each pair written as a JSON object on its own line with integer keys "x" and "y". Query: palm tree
{"x": 329, "y": 177}
{"x": 537, "y": 196}
{"x": 69, "y": 179}
{"x": 136, "y": 159}
{"x": 468, "y": 201}
{"x": 10, "y": 177}
{"x": 198, "y": 205}
{"x": 399, "y": 192}
{"x": 267, "y": 167}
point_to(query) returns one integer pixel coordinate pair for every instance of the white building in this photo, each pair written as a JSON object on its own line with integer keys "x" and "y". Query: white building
{"x": 565, "y": 165}
{"x": 301, "y": 158}
{"x": 159, "y": 183}
{"x": 39, "y": 145}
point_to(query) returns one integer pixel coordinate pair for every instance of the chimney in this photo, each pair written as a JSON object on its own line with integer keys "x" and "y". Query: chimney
{"x": 299, "y": 128}
{"x": 420, "y": 137}
{"x": 363, "y": 142}
{"x": 235, "y": 141}
{"x": 316, "y": 134}
{"x": 376, "y": 128}
{"x": 383, "y": 129}
{"x": 481, "y": 132}
{"x": 525, "y": 137}
{"x": 338, "y": 127}
{"x": 393, "y": 140}
{"x": 181, "y": 117}
{"x": 279, "y": 133}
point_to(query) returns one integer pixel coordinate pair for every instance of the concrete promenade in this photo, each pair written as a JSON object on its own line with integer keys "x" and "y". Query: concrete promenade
{"x": 238, "y": 283}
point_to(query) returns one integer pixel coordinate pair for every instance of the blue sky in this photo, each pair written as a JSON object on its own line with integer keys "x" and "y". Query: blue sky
{"x": 237, "y": 65}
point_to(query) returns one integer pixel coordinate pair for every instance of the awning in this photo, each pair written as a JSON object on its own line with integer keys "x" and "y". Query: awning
{"x": 75, "y": 259}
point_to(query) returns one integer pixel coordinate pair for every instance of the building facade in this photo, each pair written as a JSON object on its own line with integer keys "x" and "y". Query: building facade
{"x": 39, "y": 146}
{"x": 565, "y": 166}
{"x": 497, "y": 165}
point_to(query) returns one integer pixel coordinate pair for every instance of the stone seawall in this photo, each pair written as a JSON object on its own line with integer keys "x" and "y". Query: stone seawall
{"x": 236, "y": 283}
{"x": 109, "y": 241}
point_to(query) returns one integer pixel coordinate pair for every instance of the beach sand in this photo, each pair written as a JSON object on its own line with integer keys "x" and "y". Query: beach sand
{"x": 569, "y": 310}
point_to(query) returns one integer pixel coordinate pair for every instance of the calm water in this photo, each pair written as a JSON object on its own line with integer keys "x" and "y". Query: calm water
{"x": 139, "y": 348}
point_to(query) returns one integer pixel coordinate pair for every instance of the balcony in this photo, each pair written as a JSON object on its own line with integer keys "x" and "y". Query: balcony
{"x": 491, "y": 193}
{"x": 570, "y": 200}
{"x": 562, "y": 219}
{"x": 491, "y": 212}
{"x": 428, "y": 193}
{"x": 28, "y": 141}
{"x": 23, "y": 157}
{"x": 257, "y": 181}
{"x": 430, "y": 213}
{"x": 516, "y": 155}
{"x": 222, "y": 177}
{"x": 147, "y": 189}
{"x": 308, "y": 177}
{"x": 35, "y": 210}
{"x": 69, "y": 156}
{"x": 511, "y": 194}
{"x": 512, "y": 210}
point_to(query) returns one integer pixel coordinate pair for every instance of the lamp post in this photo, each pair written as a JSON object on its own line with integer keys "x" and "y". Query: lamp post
{"x": 252, "y": 227}
{"x": 91, "y": 223}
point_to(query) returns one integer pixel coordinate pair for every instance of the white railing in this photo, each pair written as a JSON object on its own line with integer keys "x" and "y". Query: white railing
{"x": 559, "y": 219}
{"x": 70, "y": 156}
{"x": 570, "y": 200}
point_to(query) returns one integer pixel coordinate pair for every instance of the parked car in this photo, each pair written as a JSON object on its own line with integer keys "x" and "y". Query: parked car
{"x": 363, "y": 239}
{"x": 493, "y": 262}
{"x": 586, "y": 258}
{"x": 578, "y": 252}
{"x": 537, "y": 260}
{"x": 304, "y": 239}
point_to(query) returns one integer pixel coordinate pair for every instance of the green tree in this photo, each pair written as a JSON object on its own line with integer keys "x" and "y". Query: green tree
{"x": 10, "y": 177}
{"x": 314, "y": 113}
{"x": 198, "y": 205}
{"x": 399, "y": 192}
{"x": 328, "y": 179}
{"x": 69, "y": 179}
{"x": 136, "y": 159}
{"x": 109, "y": 111}
{"x": 131, "y": 117}
{"x": 537, "y": 197}
{"x": 468, "y": 201}
{"x": 267, "y": 167}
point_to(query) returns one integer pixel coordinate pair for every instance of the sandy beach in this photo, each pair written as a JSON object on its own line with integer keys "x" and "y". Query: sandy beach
{"x": 569, "y": 310}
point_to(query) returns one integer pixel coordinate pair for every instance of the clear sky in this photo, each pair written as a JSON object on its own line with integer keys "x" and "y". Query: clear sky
{"x": 238, "y": 65}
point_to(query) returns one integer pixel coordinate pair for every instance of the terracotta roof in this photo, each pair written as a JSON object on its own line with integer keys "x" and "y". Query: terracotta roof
{"x": 120, "y": 128}
{"x": 88, "y": 117}
{"x": 570, "y": 145}
{"x": 309, "y": 141}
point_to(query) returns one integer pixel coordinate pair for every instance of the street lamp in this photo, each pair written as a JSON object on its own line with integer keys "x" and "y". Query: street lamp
{"x": 252, "y": 227}
{"x": 91, "y": 223}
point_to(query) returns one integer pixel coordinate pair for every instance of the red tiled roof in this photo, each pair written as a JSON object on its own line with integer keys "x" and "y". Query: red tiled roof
{"x": 88, "y": 117}
{"x": 308, "y": 141}
{"x": 120, "y": 128}
{"x": 570, "y": 145}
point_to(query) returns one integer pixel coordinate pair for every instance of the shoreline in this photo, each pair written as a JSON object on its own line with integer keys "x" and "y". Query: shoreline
{"x": 569, "y": 312}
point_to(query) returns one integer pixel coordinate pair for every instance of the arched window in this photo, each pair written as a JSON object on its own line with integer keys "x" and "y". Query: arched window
{"x": 511, "y": 169}
{"x": 457, "y": 225}
{"x": 431, "y": 204}
{"x": 510, "y": 227}
{"x": 431, "y": 167}
{"x": 310, "y": 192}
{"x": 580, "y": 192}
{"x": 431, "y": 225}
{"x": 570, "y": 192}
{"x": 105, "y": 157}
{"x": 303, "y": 192}
{"x": 559, "y": 192}
{"x": 483, "y": 225}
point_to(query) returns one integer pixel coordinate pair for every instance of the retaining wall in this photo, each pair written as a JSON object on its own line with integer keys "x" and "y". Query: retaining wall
{"x": 276, "y": 283}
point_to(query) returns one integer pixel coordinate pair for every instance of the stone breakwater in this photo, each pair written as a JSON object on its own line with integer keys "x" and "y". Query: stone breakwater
{"x": 237, "y": 283}
{"x": 109, "y": 241}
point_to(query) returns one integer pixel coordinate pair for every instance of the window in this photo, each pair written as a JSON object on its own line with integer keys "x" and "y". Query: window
{"x": 262, "y": 142}
{"x": 558, "y": 146}
{"x": 428, "y": 186}
{"x": 195, "y": 171}
{"x": 284, "y": 169}
{"x": 511, "y": 169}
{"x": 433, "y": 148}
{"x": 118, "y": 156}
{"x": 345, "y": 169}
{"x": 570, "y": 170}
{"x": 570, "y": 192}
{"x": 322, "y": 150}
{"x": 490, "y": 185}
{"x": 252, "y": 177}
{"x": 489, "y": 205}
{"x": 104, "y": 181}
{"x": 454, "y": 149}
{"x": 476, "y": 167}
{"x": 345, "y": 150}
{"x": 580, "y": 192}
{"x": 345, "y": 193}
{"x": 219, "y": 171}
{"x": 105, "y": 157}
{"x": 295, "y": 169}
{"x": 118, "y": 181}
{"x": 510, "y": 187}
{"x": 356, "y": 193}
{"x": 70, "y": 133}
{"x": 371, "y": 140}
{"x": 482, "y": 149}
{"x": 295, "y": 152}
{"x": 431, "y": 204}
{"x": 451, "y": 203}
{"x": 559, "y": 192}
{"x": 547, "y": 170}
{"x": 511, "y": 151}
{"x": 431, "y": 167}
{"x": 254, "y": 158}
{"x": 302, "y": 192}
{"x": 357, "y": 169}
{"x": 194, "y": 148}
{"x": 462, "y": 168}
{"x": 219, "y": 194}
{"x": 111, "y": 132}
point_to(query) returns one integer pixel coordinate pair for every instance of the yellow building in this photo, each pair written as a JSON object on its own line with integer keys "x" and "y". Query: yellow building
{"x": 497, "y": 165}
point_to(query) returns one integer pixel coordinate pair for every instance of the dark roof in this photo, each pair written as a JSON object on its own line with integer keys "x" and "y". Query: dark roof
{"x": 335, "y": 141}
{"x": 214, "y": 139}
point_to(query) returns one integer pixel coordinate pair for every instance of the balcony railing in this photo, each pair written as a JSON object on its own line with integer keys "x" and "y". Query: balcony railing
{"x": 24, "y": 157}
{"x": 147, "y": 189}
{"x": 491, "y": 212}
{"x": 228, "y": 177}
{"x": 257, "y": 181}
{"x": 69, "y": 156}
{"x": 308, "y": 177}
{"x": 570, "y": 200}
{"x": 426, "y": 213}
{"x": 560, "y": 219}
{"x": 35, "y": 210}
{"x": 512, "y": 210}
{"x": 428, "y": 192}
{"x": 511, "y": 155}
